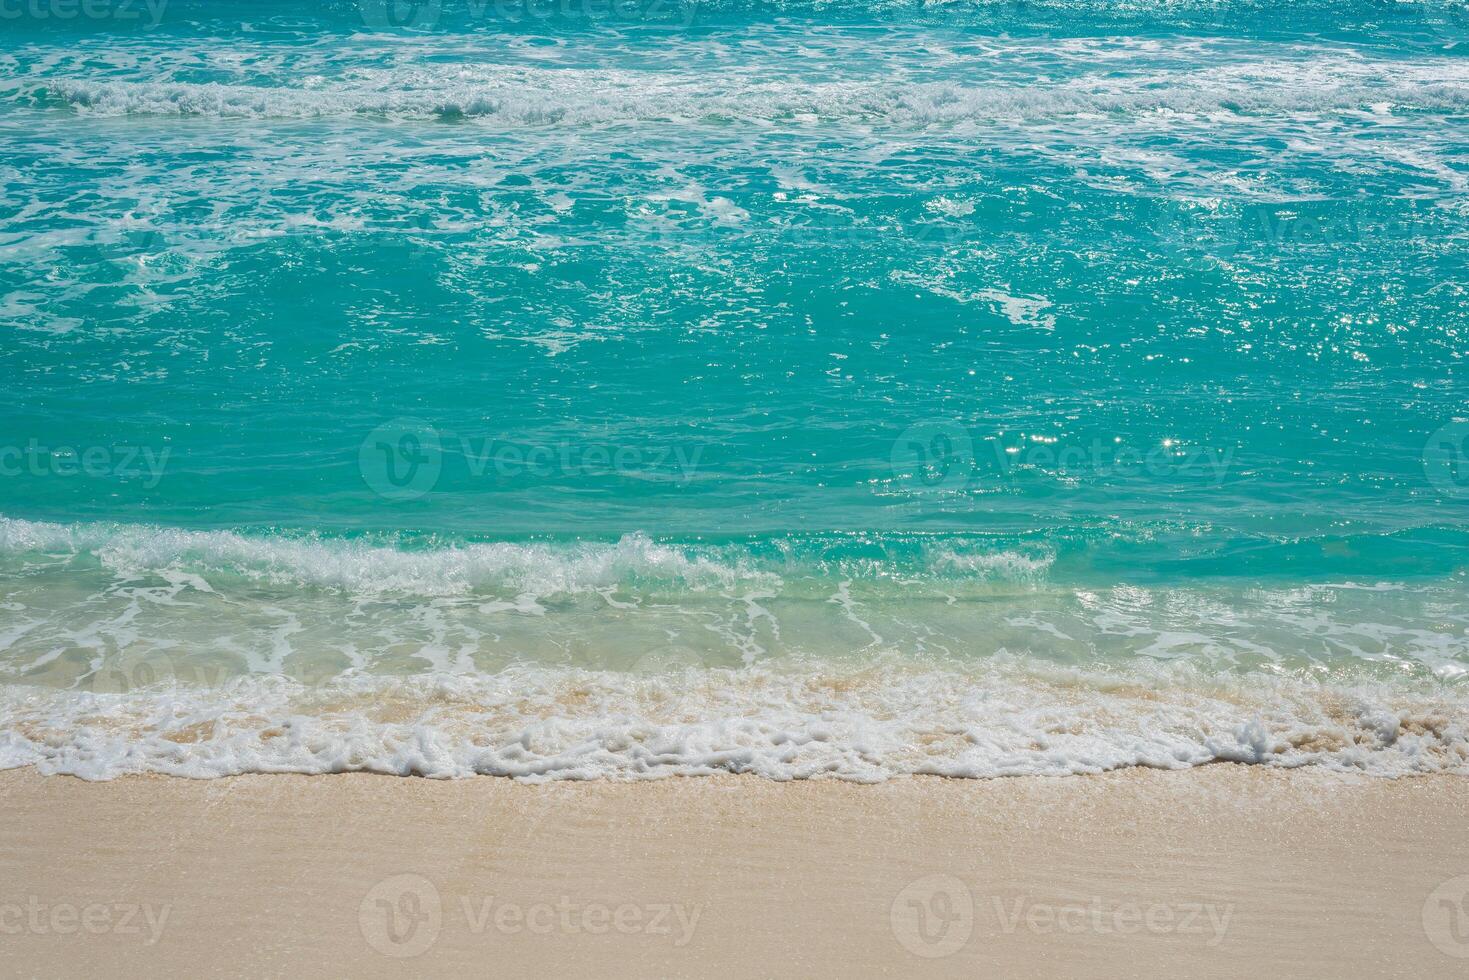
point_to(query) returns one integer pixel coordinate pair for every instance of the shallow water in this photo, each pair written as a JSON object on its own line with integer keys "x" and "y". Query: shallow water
{"x": 589, "y": 389}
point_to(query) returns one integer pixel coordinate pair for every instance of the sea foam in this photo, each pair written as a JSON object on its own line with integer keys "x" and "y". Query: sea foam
{"x": 529, "y": 96}
{"x": 448, "y": 568}
{"x": 866, "y": 725}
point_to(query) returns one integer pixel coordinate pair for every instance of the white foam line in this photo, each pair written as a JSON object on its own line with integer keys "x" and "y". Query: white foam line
{"x": 531, "y": 96}
{"x": 865, "y": 725}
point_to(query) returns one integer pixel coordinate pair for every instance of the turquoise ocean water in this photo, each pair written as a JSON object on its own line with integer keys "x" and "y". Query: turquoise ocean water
{"x": 578, "y": 388}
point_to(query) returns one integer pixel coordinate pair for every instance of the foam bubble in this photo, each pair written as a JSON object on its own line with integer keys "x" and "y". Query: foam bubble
{"x": 364, "y": 566}
{"x": 534, "y": 96}
{"x": 866, "y": 725}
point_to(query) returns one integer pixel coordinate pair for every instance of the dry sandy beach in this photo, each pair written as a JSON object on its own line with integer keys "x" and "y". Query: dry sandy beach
{"x": 1219, "y": 871}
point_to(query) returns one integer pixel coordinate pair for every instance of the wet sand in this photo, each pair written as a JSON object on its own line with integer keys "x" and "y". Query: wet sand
{"x": 1219, "y": 871}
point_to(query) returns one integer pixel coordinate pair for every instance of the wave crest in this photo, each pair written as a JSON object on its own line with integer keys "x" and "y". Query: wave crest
{"x": 867, "y": 725}
{"x": 522, "y": 96}
{"x": 433, "y": 568}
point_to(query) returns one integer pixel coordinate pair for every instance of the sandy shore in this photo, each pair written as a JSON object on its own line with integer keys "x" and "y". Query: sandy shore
{"x": 1220, "y": 871}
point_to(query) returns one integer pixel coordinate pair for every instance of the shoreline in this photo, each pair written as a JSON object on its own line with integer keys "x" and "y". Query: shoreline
{"x": 1210, "y": 871}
